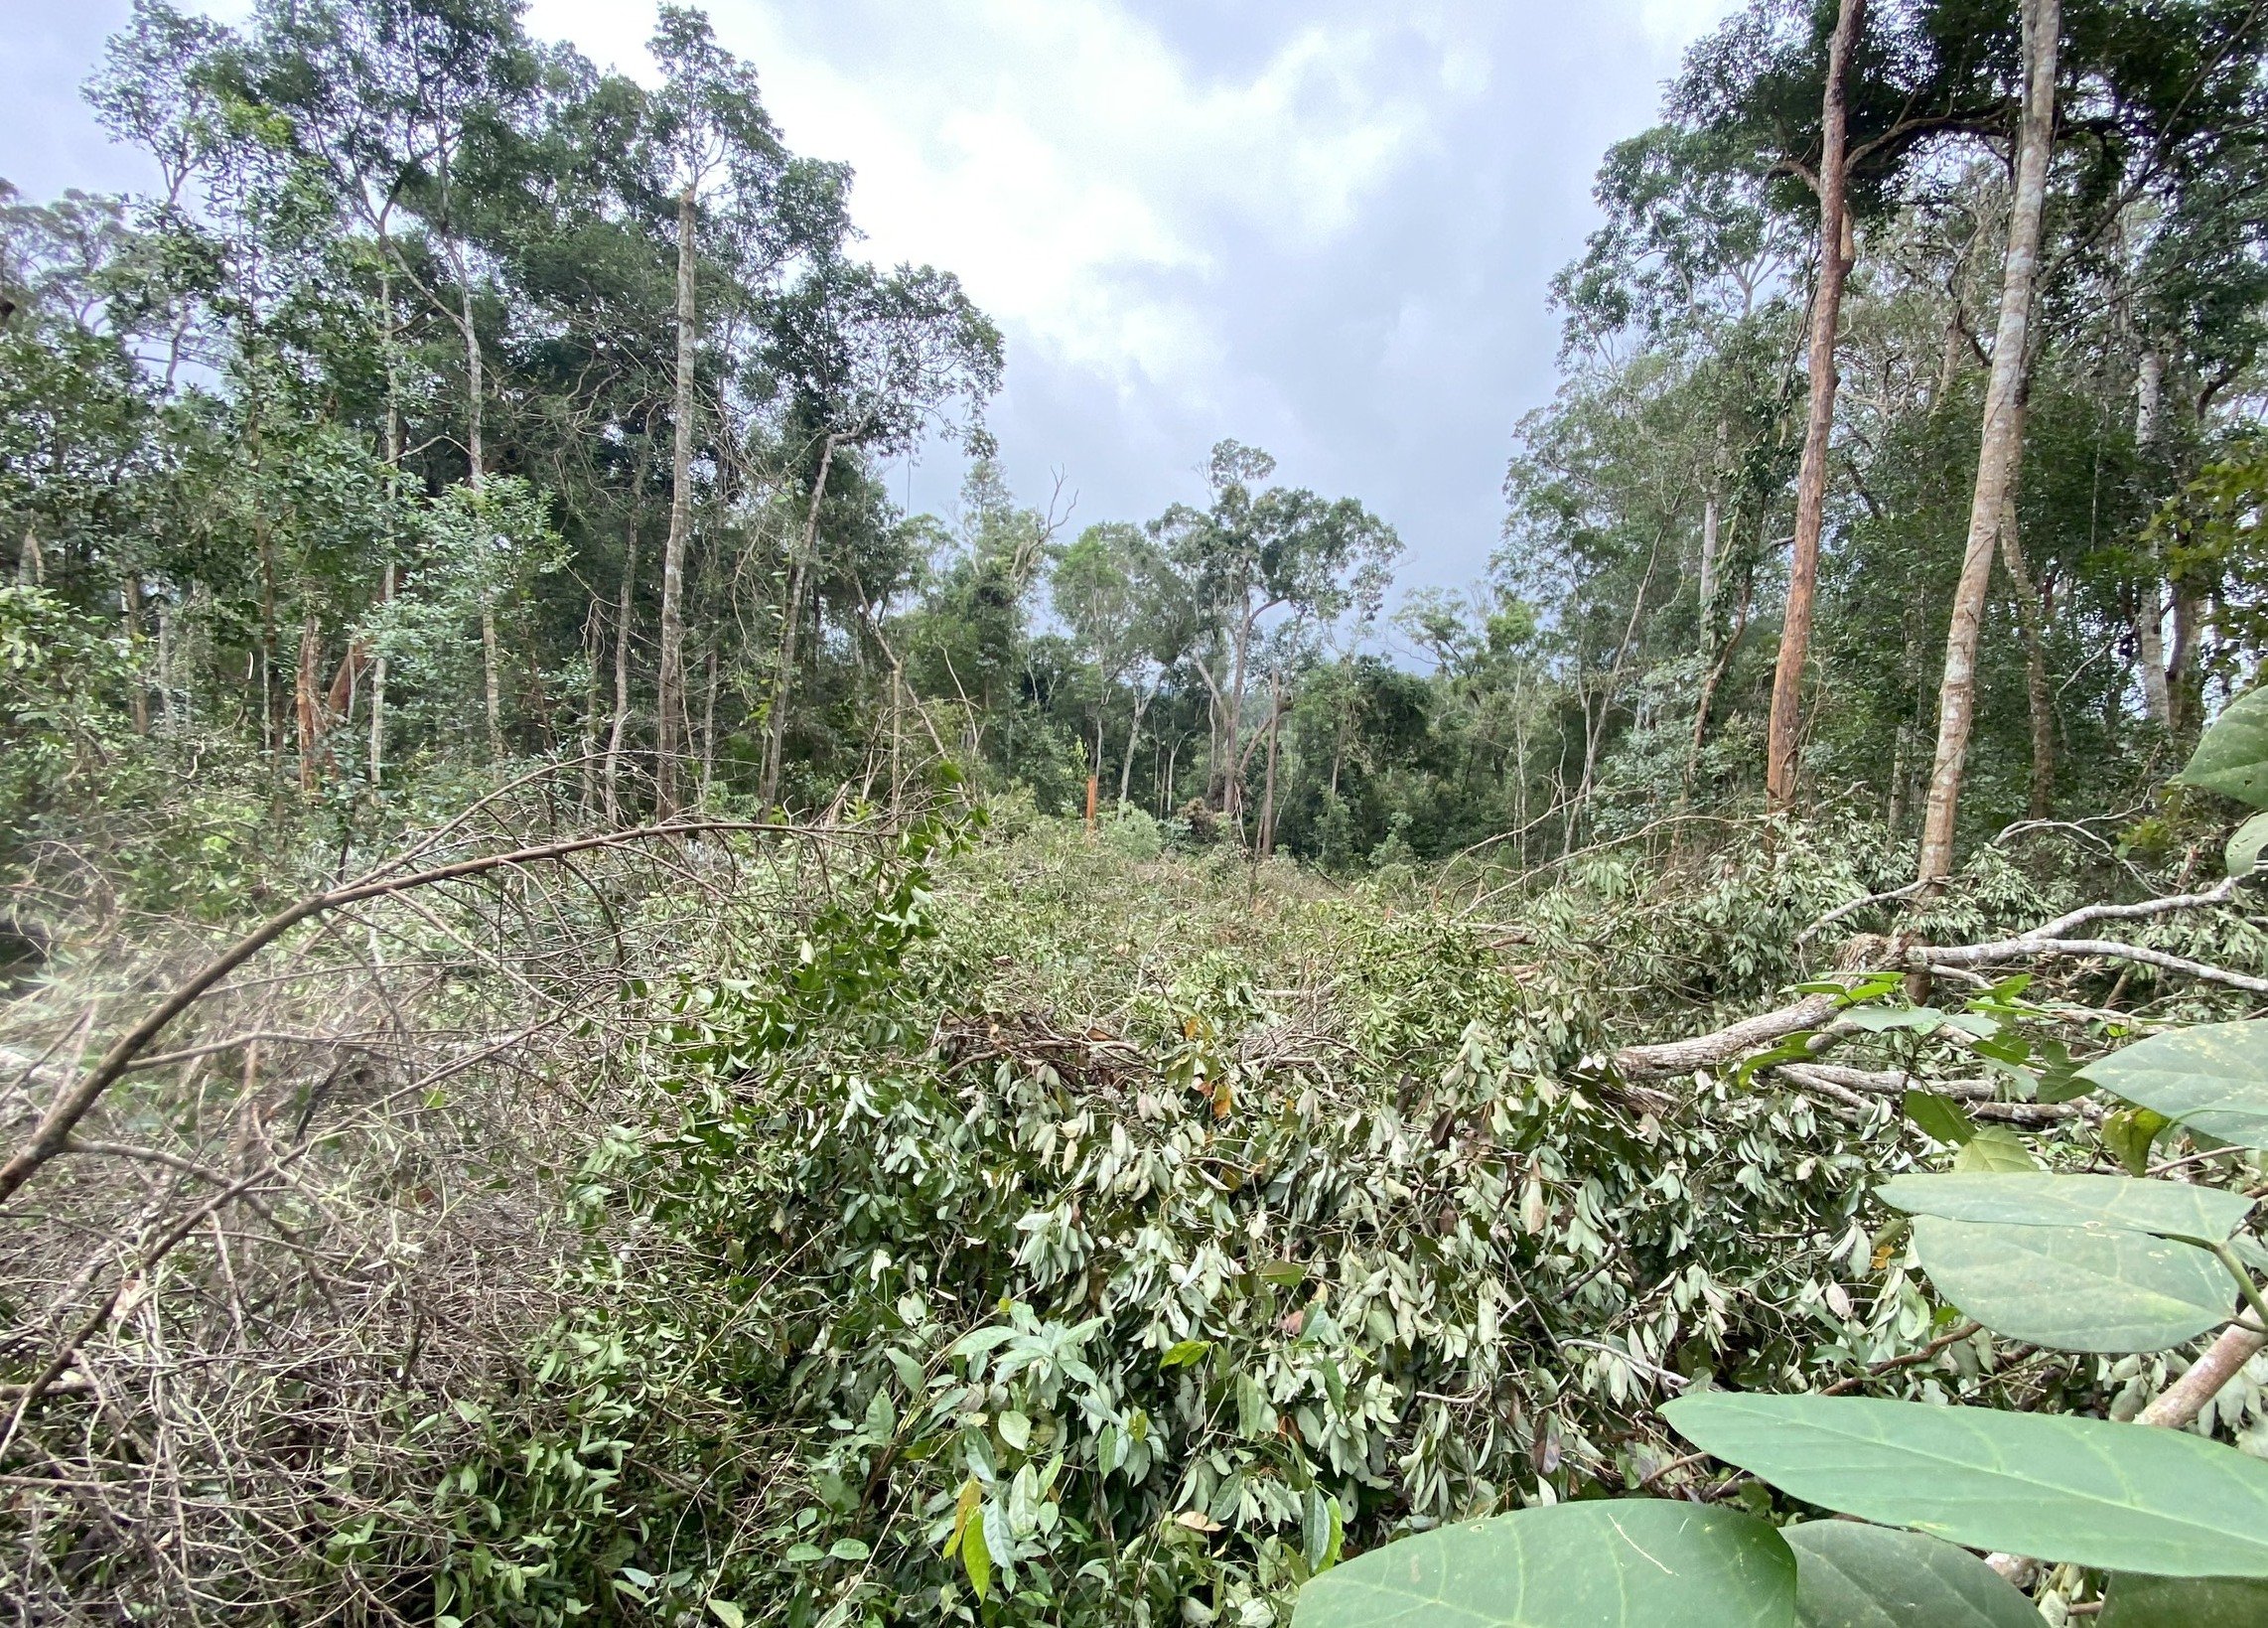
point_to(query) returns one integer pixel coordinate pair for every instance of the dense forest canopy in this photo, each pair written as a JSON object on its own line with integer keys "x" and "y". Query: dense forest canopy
{"x": 456, "y": 403}
{"x": 834, "y": 1064}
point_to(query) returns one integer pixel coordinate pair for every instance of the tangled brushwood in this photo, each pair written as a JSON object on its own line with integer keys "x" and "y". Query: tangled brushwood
{"x": 845, "y": 1225}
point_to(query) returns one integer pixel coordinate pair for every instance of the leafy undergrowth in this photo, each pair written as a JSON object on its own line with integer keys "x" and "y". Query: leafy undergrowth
{"x": 1070, "y": 1234}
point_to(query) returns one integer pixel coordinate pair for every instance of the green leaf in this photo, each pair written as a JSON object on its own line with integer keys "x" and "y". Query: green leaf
{"x": 1624, "y": 1563}
{"x": 2210, "y": 1077}
{"x": 849, "y": 1549}
{"x": 726, "y": 1612}
{"x": 1182, "y": 1353}
{"x": 2243, "y": 853}
{"x": 2075, "y": 1288}
{"x": 2128, "y": 1133}
{"x": 2233, "y": 757}
{"x": 2123, "y": 1497}
{"x": 1994, "y": 1150}
{"x": 976, "y": 1557}
{"x": 2120, "y": 1203}
{"x": 1922, "y": 1019}
{"x": 1850, "y": 1575}
{"x": 1941, "y": 1117}
{"x": 1015, "y": 1429}
{"x": 2185, "y": 1602}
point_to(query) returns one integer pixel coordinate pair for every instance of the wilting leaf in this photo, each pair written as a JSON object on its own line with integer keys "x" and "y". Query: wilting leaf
{"x": 2122, "y": 1497}
{"x": 2075, "y": 1288}
{"x": 2211, "y": 1077}
{"x": 1624, "y": 1563}
{"x": 2128, "y": 1133}
{"x": 1852, "y": 1575}
{"x": 2169, "y": 1209}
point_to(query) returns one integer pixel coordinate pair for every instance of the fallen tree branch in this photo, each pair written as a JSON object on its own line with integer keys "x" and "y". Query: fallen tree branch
{"x": 1922, "y": 958}
{"x": 70, "y": 1107}
{"x": 1674, "y": 1057}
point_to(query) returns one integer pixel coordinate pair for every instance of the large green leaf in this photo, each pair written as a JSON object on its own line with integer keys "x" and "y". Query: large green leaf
{"x": 2123, "y": 1497}
{"x": 2183, "y": 1603}
{"x": 1994, "y": 1150}
{"x": 2122, "y": 1203}
{"x": 1636, "y": 1562}
{"x": 2075, "y": 1288}
{"x": 2211, "y": 1077}
{"x": 2233, "y": 757}
{"x": 2243, "y": 855}
{"x": 1852, "y": 1575}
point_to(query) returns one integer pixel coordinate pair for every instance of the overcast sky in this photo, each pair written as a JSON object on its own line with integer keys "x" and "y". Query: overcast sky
{"x": 1321, "y": 226}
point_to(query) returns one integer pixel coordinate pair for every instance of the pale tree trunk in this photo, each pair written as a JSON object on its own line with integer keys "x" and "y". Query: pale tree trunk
{"x": 1708, "y": 592}
{"x": 709, "y": 732}
{"x": 791, "y": 620}
{"x": 1133, "y": 735}
{"x": 2149, "y": 598}
{"x": 621, "y": 722}
{"x": 393, "y": 494}
{"x": 1835, "y": 255}
{"x": 2031, "y": 616}
{"x": 1268, "y": 781}
{"x": 131, "y": 609}
{"x": 591, "y": 639}
{"x": 303, "y": 697}
{"x": 379, "y": 687}
{"x": 2002, "y": 443}
{"x": 491, "y": 657}
{"x": 669, "y": 689}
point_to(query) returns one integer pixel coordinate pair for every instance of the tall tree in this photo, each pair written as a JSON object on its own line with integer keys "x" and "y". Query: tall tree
{"x": 2002, "y": 442}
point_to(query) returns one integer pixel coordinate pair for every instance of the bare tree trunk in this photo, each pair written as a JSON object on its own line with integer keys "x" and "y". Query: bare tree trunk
{"x": 670, "y": 684}
{"x": 2149, "y": 598}
{"x": 621, "y": 721}
{"x": 1268, "y": 780}
{"x": 1708, "y": 593}
{"x": 2002, "y": 443}
{"x": 591, "y": 639}
{"x": 378, "y": 687}
{"x": 2031, "y": 616}
{"x": 393, "y": 494}
{"x": 709, "y": 733}
{"x": 131, "y": 609}
{"x": 792, "y": 619}
{"x": 1835, "y": 253}
{"x": 493, "y": 696}
{"x": 303, "y": 697}
{"x": 1133, "y": 735}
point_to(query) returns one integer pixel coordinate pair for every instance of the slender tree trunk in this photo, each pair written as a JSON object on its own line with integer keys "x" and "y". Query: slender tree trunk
{"x": 1835, "y": 253}
{"x": 2149, "y": 598}
{"x": 1708, "y": 591}
{"x": 592, "y": 637}
{"x": 621, "y": 721}
{"x": 709, "y": 732}
{"x": 492, "y": 694}
{"x": 2031, "y": 616}
{"x": 1268, "y": 778}
{"x": 670, "y": 686}
{"x": 131, "y": 609}
{"x": 394, "y": 497}
{"x": 1133, "y": 734}
{"x": 304, "y": 704}
{"x": 775, "y": 731}
{"x": 2002, "y": 444}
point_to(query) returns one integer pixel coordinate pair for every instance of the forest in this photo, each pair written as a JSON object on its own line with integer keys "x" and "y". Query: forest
{"x": 601, "y": 1021}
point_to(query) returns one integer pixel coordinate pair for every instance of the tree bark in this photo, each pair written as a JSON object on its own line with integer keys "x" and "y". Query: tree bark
{"x": 671, "y": 684}
{"x": 1835, "y": 253}
{"x": 792, "y": 619}
{"x": 2031, "y": 616}
{"x": 621, "y": 722}
{"x": 492, "y": 691}
{"x": 2001, "y": 445}
{"x": 709, "y": 732}
{"x": 2150, "y": 599}
{"x": 1268, "y": 780}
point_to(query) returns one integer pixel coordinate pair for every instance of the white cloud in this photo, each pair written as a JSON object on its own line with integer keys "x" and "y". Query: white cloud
{"x": 1065, "y": 160}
